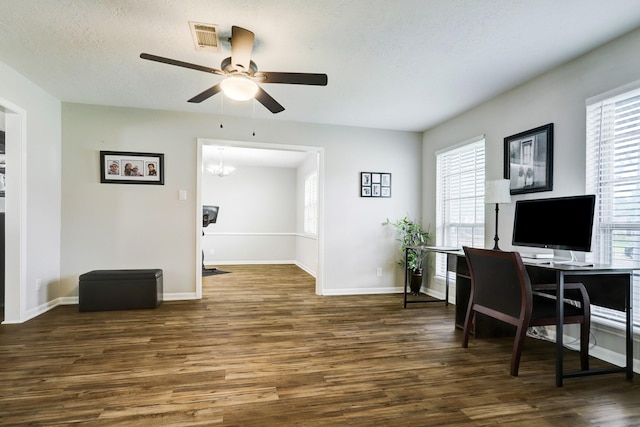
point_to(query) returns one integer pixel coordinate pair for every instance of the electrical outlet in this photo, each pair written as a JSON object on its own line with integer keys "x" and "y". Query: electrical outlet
{"x": 210, "y": 251}
{"x": 379, "y": 272}
{"x": 38, "y": 284}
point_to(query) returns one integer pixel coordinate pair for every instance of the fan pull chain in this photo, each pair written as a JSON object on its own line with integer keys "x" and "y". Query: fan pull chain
{"x": 253, "y": 118}
{"x": 221, "y": 110}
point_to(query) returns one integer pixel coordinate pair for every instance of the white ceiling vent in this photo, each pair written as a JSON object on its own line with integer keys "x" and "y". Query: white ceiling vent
{"x": 205, "y": 36}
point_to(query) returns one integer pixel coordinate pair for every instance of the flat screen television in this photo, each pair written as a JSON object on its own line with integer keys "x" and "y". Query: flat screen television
{"x": 563, "y": 223}
{"x": 209, "y": 215}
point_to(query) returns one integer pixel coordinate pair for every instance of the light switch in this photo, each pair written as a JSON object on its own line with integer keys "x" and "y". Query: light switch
{"x": 182, "y": 194}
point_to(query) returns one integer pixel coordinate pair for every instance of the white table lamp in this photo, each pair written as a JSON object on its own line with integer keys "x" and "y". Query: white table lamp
{"x": 497, "y": 192}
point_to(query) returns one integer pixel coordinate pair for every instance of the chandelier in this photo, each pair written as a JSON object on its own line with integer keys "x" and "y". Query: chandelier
{"x": 220, "y": 170}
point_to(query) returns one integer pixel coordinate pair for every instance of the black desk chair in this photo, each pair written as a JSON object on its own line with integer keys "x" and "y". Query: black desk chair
{"x": 501, "y": 288}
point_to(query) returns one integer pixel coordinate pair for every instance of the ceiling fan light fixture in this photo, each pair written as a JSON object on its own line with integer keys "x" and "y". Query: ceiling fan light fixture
{"x": 239, "y": 88}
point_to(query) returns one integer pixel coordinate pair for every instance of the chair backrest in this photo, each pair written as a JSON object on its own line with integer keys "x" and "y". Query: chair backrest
{"x": 499, "y": 282}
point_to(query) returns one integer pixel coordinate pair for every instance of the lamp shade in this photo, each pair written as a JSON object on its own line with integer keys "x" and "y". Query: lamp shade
{"x": 497, "y": 191}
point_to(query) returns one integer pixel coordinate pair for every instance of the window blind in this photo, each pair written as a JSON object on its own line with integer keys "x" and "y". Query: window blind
{"x": 311, "y": 204}
{"x": 613, "y": 175}
{"x": 460, "y": 198}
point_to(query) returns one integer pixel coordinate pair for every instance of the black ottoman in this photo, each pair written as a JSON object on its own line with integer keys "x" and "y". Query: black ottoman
{"x": 120, "y": 289}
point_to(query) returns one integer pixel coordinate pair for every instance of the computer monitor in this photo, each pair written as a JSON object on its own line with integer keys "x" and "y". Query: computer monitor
{"x": 563, "y": 223}
{"x": 209, "y": 215}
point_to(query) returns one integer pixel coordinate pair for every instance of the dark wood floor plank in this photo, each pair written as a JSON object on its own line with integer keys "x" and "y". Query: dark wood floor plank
{"x": 262, "y": 349}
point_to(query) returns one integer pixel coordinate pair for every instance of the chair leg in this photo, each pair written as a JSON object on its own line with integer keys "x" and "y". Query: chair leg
{"x": 584, "y": 345}
{"x": 518, "y": 341}
{"x": 468, "y": 321}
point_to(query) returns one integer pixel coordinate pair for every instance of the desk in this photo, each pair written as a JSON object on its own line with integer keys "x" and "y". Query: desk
{"x": 594, "y": 278}
{"x": 608, "y": 286}
{"x": 452, "y": 254}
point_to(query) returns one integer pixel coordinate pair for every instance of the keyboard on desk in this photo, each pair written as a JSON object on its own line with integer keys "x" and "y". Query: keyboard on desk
{"x": 537, "y": 260}
{"x": 539, "y": 255}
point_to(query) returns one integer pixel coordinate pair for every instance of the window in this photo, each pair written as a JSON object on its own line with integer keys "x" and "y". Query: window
{"x": 460, "y": 198}
{"x": 613, "y": 175}
{"x": 311, "y": 204}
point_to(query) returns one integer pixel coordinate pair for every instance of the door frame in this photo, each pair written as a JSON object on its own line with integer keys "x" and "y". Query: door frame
{"x": 15, "y": 301}
{"x": 284, "y": 147}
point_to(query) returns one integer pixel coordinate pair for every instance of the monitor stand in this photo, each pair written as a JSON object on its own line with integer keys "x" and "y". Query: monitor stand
{"x": 573, "y": 261}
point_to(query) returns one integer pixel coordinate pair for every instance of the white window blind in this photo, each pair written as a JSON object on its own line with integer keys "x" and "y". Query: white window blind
{"x": 311, "y": 204}
{"x": 460, "y": 198}
{"x": 613, "y": 175}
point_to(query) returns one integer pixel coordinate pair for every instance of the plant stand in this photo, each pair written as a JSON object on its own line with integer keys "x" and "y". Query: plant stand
{"x": 408, "y": 289}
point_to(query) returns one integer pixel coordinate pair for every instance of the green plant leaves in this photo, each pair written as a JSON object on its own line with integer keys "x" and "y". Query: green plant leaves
{"x": 411, "y": 234}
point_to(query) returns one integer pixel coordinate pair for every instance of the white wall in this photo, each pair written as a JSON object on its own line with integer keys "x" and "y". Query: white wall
{"x": 556, "y": 97}
{"x": 256, "y": 221}
{"x": 33, "y": 125}
{"x": 100, "y": 221}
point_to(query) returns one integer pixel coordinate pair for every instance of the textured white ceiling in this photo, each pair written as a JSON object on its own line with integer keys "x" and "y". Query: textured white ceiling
{"x": 402, "y": 64}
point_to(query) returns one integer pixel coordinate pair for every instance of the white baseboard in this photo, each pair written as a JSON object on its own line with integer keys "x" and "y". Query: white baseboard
{"x": 307, "y": 269}
{"x": 180, "y": 296}
{"x": 247, "y": 262}
{"x": 362, "y": 291}
{"x": 35, "y": 312}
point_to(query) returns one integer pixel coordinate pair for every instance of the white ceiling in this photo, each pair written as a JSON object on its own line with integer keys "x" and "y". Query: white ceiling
{"x": 249, "y": 156}
{"x": 403, "y": 64}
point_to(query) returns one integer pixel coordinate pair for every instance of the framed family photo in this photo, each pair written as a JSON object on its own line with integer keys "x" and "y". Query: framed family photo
{"x": 122, "y": 167}
{"x": 375, "y": 184}
{"x": 528, "y": 160}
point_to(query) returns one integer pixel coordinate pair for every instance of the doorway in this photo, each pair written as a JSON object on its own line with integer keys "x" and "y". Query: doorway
{"x": 15, "y": 289}
{"x": 274, "y": 155}
{"x": 3, "y": 164}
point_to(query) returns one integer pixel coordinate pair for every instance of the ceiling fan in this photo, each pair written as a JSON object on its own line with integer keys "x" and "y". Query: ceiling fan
{"x": 242, "y": 75}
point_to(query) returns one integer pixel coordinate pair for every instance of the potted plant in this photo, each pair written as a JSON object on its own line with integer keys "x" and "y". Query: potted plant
{"x": 411, "y": 234}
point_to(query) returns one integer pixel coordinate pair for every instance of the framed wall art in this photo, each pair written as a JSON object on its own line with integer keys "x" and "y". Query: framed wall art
{"x": 122, "y": 167}
{"x": 528, "y": 160}
{"x": 375, "y": 184}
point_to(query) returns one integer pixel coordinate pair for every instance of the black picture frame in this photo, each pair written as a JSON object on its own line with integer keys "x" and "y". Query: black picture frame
{"x": 126, "y": 167}
{"x": 528, "y": 160}
{"x": 375, "y": 184}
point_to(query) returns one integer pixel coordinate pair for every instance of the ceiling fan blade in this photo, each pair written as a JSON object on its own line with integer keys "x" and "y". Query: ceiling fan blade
{"x": 180, "y": 63}
{"x": 241, "y": 47}
{"x": 293, "y": 78}
{"x": 265, "y": 99}
{"x": 206, "y": 94}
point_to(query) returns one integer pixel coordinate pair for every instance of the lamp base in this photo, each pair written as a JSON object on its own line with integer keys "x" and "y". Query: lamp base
{"x": 496, "y": 238}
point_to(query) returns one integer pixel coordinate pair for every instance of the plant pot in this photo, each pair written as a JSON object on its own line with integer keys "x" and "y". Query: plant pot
{"x": 415, "y": 283}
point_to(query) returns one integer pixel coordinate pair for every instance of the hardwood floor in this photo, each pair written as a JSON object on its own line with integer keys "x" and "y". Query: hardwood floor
{"x": 261, "y": 349}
